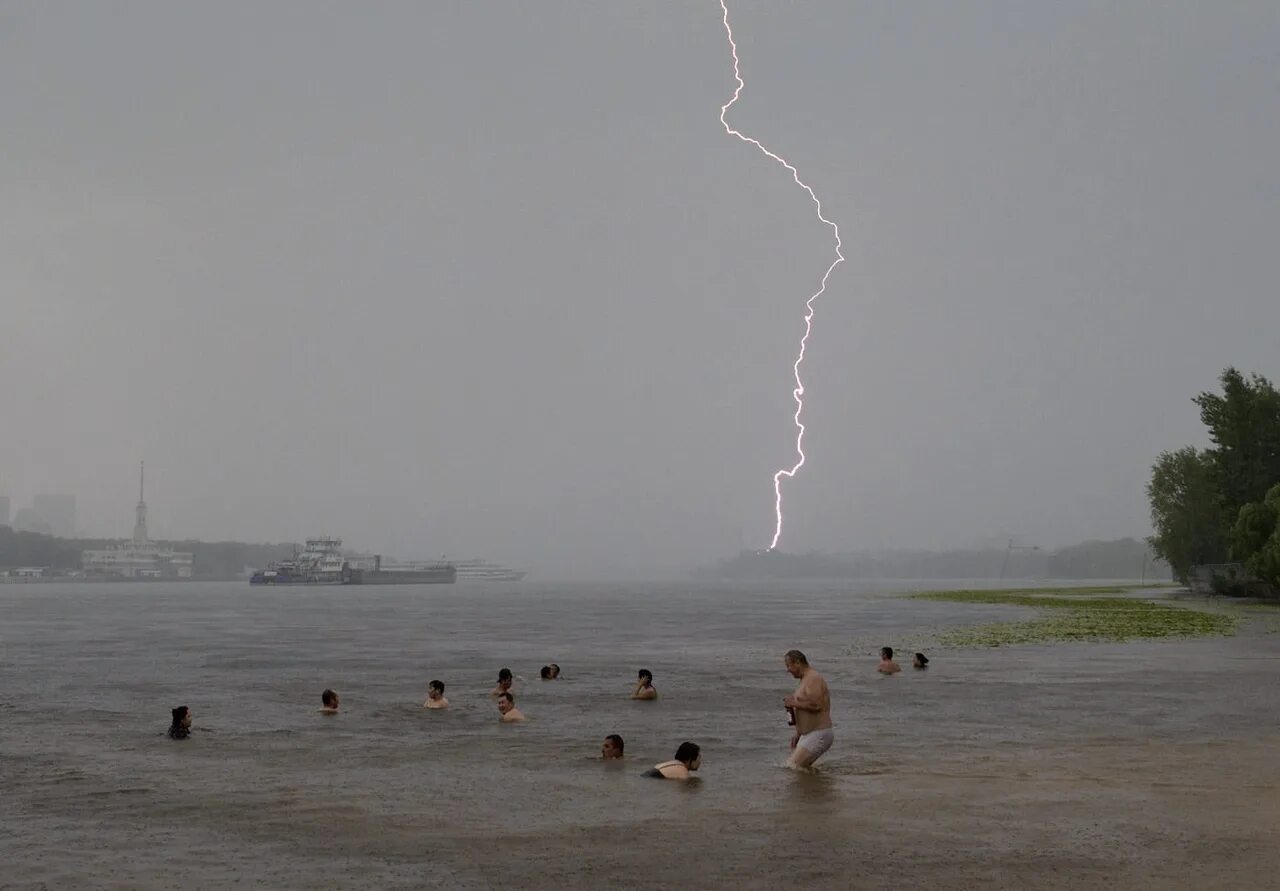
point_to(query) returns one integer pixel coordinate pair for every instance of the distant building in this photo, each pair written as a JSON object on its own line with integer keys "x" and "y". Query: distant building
{"x": 138, "y": 557}
{"x": 57, "y": 512}
{"x": 25, "y": 520}
{"x": 4, "y": 510}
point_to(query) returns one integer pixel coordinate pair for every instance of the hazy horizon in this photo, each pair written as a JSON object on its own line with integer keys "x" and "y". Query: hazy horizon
{"x": 491, "y": 278}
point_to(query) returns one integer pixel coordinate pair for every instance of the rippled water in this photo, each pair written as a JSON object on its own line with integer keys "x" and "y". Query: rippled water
{"x": 269, "y": 791}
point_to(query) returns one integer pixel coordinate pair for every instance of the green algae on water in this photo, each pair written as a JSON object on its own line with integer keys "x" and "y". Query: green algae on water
{"x": 1083, "y": 615}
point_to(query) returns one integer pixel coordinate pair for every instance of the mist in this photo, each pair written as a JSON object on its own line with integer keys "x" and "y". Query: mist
{"x": 492, "y": 279}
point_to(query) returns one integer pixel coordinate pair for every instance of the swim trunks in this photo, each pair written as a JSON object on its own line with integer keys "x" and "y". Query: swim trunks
{"x": 816, "y": 742}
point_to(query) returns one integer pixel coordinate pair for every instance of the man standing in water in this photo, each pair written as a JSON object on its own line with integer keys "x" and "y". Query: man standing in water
{"x": 809, "y": 709}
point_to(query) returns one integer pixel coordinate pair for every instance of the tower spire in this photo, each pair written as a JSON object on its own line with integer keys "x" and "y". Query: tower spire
{"x": 140, "y": 525}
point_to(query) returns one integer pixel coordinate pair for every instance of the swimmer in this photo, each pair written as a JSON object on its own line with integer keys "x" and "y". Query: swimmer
{"x": 887, "y": 665}
{"x": 688, "y": 759}
{"x": 920, "y": 662}
{"x": 181, "y": 726}
{"x": 611, "y": 750}
{"x": 329, "y": 702}
{"x": 555, "y": 671}
{"x": 545, "y": 672}
{"x": 810, "y": 708}
{"x": 507, "y": 706}
{"x": 644, "y": 685}
{"x": 435, "y": 696}
{"x": 504, "y": 683}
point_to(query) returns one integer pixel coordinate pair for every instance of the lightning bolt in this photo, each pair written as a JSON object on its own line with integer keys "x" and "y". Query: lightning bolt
{"x": 798, "y": 392}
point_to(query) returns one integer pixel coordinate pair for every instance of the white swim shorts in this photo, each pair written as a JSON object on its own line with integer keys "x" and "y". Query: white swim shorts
{"x": 816, "y": 742}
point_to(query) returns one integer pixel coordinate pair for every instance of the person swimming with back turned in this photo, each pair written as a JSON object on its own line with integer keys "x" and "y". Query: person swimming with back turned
{"x": 329, "y": 702}
{"x": 435, "y": 696}
{"x": 887, "y": 665}
{"x": 181, "y": 726}
{"x": 920, "y": 662}
{"x": 504, "y": 683}
{"x": 644, "y": 685}
{"x": 688, "y": 759}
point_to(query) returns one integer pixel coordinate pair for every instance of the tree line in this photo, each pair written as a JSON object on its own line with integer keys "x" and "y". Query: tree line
{"x": 210, "y": 559}
{"x": 1222, "y": 504}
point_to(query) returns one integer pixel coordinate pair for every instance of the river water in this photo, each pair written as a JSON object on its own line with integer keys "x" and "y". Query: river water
{"x": 1131, "y": 765}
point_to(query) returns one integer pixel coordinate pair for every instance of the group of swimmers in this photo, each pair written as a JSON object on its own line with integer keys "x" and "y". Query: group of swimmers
{"x": 808, "y": 713}
{"x": 887, "y": 666}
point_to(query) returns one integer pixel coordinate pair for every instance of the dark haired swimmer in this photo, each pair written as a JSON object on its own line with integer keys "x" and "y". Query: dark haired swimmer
{"x": 920, "y": 662}
{"x": 555, "y": 671}
{"x": 644, "y": 685}
{"x": 611, "y": 750}
{"x": 545, "y": 672}
{"x": 504, "y": 683}
{"x": 435, "y": 696}
{"x": 688, "y": 759}
{"x": 507, "y": 706}
{"x": 887, "y": 665}
{"x": 329, "y": 702}
{"x": 181, "y": 726}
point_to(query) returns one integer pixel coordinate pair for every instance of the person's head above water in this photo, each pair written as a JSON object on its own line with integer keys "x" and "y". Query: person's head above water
{"x": 435, "y": 689}
{"x": 920, "y": 661}
{"x": 886, "y": 653}
{"x": 545, "y": 672}
{"x": 612, "y": 747}
{"x": 506, "y": 702}
{"x": 180, "y": 728}
{"x": 690, "y": 755}
{"x": 504, "y": 674}
{"x": 329, "y": 700}
{"x": 796, "y": 663}
{"x": 555, "y": 671}
{"x": 645, "y": 676}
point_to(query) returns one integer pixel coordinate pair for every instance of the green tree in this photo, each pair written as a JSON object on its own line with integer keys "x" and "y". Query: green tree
{"x": 1255, "y": 538}
{"x": 1244, "y": 424}
{"x": 1186, "y": 510}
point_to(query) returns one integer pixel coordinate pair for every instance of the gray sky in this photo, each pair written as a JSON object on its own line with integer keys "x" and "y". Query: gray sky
{"x": 490, "y": 277}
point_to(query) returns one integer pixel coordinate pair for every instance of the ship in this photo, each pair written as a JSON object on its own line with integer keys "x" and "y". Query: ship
{"x": 322, "y": 562}
{"x": 319, "y": 563}
{"x": 477, "y": 570}
{"x": 435, "y": 572}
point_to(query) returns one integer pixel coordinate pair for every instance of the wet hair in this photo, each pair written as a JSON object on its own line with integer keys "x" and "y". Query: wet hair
{"x": 922, "y": 658}
{"x": 436, "y": 685}
{"x": 508, "y": 697}
{"x": 504, "y": 675}
{"x": 646, "y": 674}
{"x": 329, "y": 698}
{"x": 797, "y": 657}
{"x": 886, "y": 652}
{"x": 616, "y": 740}
{"x": 176, "y": 730}
{"x": 555, "y": 670}
{"x": 545, "y": 672}
{"x": 688, "y": 752}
